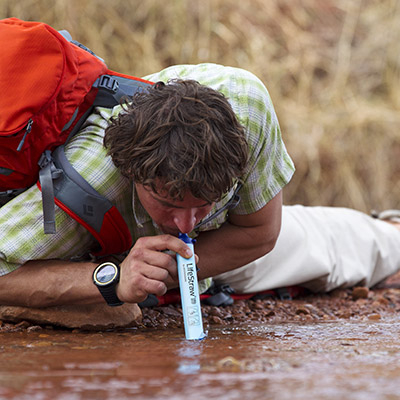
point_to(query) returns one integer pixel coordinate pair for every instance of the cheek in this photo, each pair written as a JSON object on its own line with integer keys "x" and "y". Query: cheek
{"x": 203, "y": 212}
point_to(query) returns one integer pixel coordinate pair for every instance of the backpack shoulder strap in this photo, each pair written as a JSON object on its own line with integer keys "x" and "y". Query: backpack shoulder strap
{"x": 112, "y": 88}
{"x": 91, "y": 210}
{"x": 97, "y": 214}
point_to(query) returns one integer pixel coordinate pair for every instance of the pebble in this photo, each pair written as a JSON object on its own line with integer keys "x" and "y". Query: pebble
{"x": 23, "y": 324}
{"x": 302, "y": 310}
{"x": 374, "y": 317}
{"x": 360, "y": 292}
{"x": 230, "y": 364}
{"x": 258, "y": 305}
{"x": 172, "y": 312}
{"x": 34, "y": 328}
{"x": 215, "y": 311}
{"x": 382, "y": 300}
{"x": 216, "y": 320}
{"x": 339, "y": 293}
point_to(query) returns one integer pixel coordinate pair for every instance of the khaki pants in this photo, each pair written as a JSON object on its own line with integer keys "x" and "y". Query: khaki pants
{"x": 322, "y": 248}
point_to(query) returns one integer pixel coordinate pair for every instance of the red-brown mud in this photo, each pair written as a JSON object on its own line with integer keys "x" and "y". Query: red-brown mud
{"x": 339, "y": 345}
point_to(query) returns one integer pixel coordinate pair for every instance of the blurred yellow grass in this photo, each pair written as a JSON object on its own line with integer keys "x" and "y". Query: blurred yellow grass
{"x": 332, "y": 69}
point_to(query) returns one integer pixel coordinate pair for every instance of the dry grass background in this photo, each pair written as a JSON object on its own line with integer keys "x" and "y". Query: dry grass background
{"x": 332, "y": 68}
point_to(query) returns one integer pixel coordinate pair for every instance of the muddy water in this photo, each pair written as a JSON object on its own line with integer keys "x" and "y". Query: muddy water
{"x": 330, "y": 360}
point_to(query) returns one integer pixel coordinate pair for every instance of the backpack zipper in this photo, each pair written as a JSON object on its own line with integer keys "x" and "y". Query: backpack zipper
{"x": 27, "y": 130}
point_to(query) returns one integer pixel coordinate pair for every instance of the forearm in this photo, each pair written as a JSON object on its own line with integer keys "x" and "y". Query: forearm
{"x": 228, "y": 248}
{"x": 240, "y": 241}
{"x": 44, "y": 283}
{"x": 49, "y": 283}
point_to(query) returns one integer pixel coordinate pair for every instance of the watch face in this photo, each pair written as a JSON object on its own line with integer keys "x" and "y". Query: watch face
{"x": 106, "y": 273}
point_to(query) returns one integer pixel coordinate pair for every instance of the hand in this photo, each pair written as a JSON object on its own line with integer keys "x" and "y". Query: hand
{"x": 148, "y": 269}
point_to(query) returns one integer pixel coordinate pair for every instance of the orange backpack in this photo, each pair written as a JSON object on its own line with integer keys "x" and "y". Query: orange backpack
{"x": 49, "y": 85}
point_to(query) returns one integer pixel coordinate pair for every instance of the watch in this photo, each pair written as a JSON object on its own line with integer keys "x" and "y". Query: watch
{"x": 106, "y": 278}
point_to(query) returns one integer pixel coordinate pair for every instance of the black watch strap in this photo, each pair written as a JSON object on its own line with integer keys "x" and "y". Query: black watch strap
{"x": 110, "y": 296}
{"x": 108, "y": 290}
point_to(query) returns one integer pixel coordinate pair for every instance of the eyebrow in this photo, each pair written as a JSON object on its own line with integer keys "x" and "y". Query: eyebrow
{"x": 167, "y": 204}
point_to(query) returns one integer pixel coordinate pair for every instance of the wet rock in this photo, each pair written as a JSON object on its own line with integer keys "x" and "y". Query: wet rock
{"x": 216, "y": 311}
{"x": 339, "y": 293}
{"x": 302, "y": 310}
{"x": 230, "y": 364}
{"x": 361, "y": 303}
{"x": 216, "y": 320}
{"x": 360, "y": 292}
{"x": 314, "y": 310}
{"x": 87, "y": 317}
{"x": 34, "y": 328}
{"x": 255, "y": 317}
{"x": 374, "y": 317}
{"x": 23, "y": 324}
{"x": 381, "y": 300}
{"x": 345, "y": 314}
{"x": 172, "y": 312}
{"x": 392, "y": 295}
{"x": 257, "y": 305}
{"x": 270, "y": 313}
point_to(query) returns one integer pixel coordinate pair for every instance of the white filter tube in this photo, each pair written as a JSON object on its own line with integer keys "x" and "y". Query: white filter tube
{"x": 189, "y": 288}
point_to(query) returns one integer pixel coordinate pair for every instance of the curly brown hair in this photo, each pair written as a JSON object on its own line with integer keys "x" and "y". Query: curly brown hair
{"x": 182, "y": 134}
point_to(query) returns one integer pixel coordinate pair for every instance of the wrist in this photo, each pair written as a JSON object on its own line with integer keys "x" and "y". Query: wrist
{"x": 106, "y": 277}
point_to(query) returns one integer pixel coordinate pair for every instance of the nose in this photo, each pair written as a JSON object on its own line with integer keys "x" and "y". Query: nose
{"x": 185, "y": 219}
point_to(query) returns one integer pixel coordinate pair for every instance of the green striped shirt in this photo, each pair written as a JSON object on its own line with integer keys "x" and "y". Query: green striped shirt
{"x": 269, "y": 170}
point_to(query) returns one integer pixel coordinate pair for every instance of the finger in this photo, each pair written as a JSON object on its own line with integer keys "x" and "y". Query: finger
{"x": 151, "y": 286}
{"x": 142, "y": 257}
{"x": 137, "y": 287}
{"x": 165, "y": 242}
{"x": 155, "y": 273}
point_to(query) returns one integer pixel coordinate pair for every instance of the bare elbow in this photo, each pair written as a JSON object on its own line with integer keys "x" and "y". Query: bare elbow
{"x": 267, "y": 239}
{"x": 267, "y": 245}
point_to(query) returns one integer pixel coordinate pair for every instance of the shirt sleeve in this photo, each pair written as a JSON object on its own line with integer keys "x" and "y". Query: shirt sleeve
{"x": 270, "y": 167}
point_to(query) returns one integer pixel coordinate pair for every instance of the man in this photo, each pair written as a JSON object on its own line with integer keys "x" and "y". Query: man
{"x": 182, "y": 153}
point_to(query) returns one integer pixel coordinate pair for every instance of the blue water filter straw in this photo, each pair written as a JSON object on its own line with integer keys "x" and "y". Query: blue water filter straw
{"x": 189, "y": 288}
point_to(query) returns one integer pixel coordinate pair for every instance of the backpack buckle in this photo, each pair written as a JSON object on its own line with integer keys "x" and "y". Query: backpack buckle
{"x": 109, "y": 83}
{"x": 45, "y": 159}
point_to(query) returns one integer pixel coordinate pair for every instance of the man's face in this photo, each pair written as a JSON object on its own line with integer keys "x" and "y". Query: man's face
{"x": 173, "y": 216}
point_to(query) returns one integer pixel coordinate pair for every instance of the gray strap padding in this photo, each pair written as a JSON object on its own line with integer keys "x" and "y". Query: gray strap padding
{"x": 46, "y": 182}
{"x": 77, "y": 194}
{"x": 66, "y": 35}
